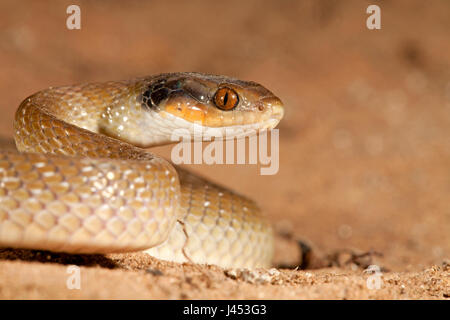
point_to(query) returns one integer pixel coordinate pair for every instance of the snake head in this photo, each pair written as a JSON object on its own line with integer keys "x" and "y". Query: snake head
{"x": 222, "y": 107}
{"x": 164, "y": 108}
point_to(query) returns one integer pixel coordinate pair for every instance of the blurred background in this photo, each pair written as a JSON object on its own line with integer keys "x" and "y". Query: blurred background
{"x": 365, "y": 142}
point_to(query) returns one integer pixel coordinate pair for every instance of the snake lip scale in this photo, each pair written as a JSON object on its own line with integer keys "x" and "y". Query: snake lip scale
{"x": 82, "y": 182}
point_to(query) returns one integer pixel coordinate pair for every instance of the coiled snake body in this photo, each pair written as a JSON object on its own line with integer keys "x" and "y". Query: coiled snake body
{"x": 82, "y": 182}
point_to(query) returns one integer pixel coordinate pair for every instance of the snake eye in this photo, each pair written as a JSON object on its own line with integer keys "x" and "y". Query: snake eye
{"x": 226, "y": 99}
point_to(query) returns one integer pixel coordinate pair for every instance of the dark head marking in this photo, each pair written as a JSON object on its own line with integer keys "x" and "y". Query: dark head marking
{"x": 155, "y": 94}
{"x": 159, "y": 95}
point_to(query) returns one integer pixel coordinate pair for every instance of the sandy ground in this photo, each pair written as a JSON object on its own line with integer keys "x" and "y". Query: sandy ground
{"x": 364, "y": 147}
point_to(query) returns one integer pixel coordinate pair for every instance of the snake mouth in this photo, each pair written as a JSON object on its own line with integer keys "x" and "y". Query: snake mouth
{"x": 277, "y": 112}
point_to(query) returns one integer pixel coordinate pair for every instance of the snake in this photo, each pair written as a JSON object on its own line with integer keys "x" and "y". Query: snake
{"x": 83, "y": 182}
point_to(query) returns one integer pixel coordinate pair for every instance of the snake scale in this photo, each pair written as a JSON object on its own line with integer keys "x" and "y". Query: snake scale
{"x": 83, "y": 182}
